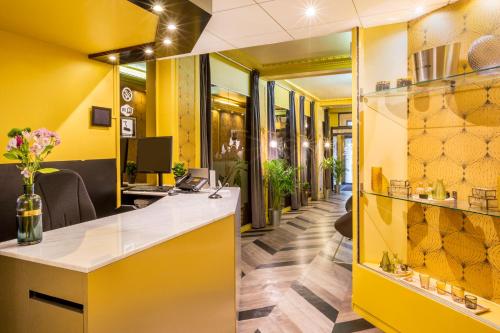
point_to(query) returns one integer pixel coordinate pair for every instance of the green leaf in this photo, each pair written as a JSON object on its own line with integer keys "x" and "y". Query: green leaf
{"x": 48, "y": 170}
{"x": 10, "y": 156}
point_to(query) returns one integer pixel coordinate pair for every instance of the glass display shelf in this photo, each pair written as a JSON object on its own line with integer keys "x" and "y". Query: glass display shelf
{"x": 490, "y": 310}
{"x": 487, "y": 75}
{"x": 450, "y": 204}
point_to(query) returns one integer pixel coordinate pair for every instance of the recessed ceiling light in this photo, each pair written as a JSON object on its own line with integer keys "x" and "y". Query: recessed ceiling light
{"x": 148, "y": 50}
{"x": 171, "y": 26}
{"x": 310, "y": 11}
{"x": 167, "y": 41}
{"x": 327, "y": 145}
{"x": 274, "y": 144}
{"x": 112, "y": 58}
{"x": 157, "y": 8}
{"x": 305, "y": 144}
{"x": 419, "y": 10}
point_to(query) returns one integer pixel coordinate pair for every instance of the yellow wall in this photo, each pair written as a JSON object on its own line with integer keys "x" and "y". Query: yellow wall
{"x": 44, "y": 85}
{"x": 226, "y": 75}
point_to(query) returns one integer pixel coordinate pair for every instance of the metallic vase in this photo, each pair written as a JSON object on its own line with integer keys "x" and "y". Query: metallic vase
{"x": 436, "y": 63}
{"x": 484, "y": 52}
{"x": 275, "y": 217}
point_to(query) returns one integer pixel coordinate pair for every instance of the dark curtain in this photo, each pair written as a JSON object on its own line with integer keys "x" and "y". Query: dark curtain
{"x": 327, "y": 181}
{"x": 314, "y": 180}
{"x": 293, "y": 148}
{"x": 271, "y": 119}
{"x": 205, "y": 112}
{"x": 303, "y": 138}
{"x": 255, "y": 159}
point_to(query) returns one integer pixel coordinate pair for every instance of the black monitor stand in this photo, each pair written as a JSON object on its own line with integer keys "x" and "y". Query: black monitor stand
{"x": 160, "y": 179}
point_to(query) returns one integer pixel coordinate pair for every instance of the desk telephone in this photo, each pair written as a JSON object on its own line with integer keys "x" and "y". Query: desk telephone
{"x": 190, "y": 183}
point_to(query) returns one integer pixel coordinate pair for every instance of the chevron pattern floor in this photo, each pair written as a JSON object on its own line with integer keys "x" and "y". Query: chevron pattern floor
{"x": 292, "y": 281}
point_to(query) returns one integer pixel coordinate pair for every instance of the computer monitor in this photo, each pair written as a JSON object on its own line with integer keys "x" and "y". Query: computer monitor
{"x": 154, "y": 155}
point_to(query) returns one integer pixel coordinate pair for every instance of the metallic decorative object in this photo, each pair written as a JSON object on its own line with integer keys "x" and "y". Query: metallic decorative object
{"x": 471, "y": 302}
{"x": 403, "y": 82}
{"x": 484, "y": 52}
{"x": 399, "y": 188}
{"x": 436, "y": 63}
{"x": 383, "y": 85}
{"x": 484, "y": 198}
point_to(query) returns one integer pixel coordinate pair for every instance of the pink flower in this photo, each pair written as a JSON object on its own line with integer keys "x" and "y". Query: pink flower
{"x": 19, "y": 141}
{"x": 12, "y": 144}
{"x": 26, "y": 173}
{"x": 37, "y": 148}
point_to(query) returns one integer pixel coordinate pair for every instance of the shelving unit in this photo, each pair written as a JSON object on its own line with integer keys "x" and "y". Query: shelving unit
{"x": 448, "y": 84}
{"x": 449, "y": 204}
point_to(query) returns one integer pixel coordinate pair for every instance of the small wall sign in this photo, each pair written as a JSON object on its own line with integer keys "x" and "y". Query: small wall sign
{"x": 127, "y": 128}
{"x": 126, "y": 110}
{"x": 127, "y": 94}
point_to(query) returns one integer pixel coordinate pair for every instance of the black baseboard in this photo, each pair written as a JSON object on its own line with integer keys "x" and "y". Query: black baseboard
{"x": 99, "y": 177}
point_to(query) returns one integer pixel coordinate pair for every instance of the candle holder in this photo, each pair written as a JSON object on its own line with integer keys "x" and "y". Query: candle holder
{"x": 424, "y": 281}
{"x": 471, "y": 302}
{"x": 457, "y": 294}
{"x": 441, "y": 287}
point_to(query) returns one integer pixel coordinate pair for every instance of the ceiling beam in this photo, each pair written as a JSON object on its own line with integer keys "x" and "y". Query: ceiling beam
{"x": 307, "y": 67}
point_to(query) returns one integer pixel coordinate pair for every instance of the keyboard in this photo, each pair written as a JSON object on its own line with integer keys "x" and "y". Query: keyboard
{"x": 150, "y": 188}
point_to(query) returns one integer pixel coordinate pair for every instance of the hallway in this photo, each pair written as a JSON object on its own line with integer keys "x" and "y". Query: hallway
{"x": 291, "y": 280}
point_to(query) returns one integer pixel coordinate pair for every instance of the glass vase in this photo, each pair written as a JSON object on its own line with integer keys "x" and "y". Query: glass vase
{"x": 439, "y": 192}
{"x": 29, "y": 217}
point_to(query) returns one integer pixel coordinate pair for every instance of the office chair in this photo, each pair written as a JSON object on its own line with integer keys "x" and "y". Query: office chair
{"x": 65, "y": 199}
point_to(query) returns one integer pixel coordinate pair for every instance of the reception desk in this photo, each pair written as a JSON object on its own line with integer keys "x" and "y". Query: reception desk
{"x": 170, "y": 267}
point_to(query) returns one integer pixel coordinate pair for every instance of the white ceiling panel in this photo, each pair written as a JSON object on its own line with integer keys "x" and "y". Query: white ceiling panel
{"x": 264, "y": 39}
{"x": 324, "y": 29}
{"x": 393, "y": 17}
{"x": 327, "y": 87}
{"x": 209, "y": 43}
{"x": 291, "y": 14}
{"x": 220, "y": 5}
{"x": 242, "y": 22}
{"x": 371, "y": 7}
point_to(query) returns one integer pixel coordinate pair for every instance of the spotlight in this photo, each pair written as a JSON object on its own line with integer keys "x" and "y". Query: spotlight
{"x": 327, "y": 145}
{"x": 310, "y": 11}
{"x": 171, "y": 27}
{"x": 157, "y": 8}
{"x": 419, "y": 10}
{"x": 305, "y": 144}
{"x": 167, "y": 41}
{"x": 112, "y": 58}
{"x": 148, "y": 50}
{"x": 273, "y": 144}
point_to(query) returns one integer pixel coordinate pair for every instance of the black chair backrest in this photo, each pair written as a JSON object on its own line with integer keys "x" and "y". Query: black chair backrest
{"x": 65, "y": 199}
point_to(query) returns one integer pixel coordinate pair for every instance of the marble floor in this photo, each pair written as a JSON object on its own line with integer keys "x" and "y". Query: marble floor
{"x": 291, "y": 280}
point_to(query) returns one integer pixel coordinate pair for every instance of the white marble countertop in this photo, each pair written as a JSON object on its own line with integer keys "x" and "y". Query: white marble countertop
{"x": 88, "y": 246}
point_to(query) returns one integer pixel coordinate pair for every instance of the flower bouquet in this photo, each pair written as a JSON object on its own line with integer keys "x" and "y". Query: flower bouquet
{"x": 30, "y": 148}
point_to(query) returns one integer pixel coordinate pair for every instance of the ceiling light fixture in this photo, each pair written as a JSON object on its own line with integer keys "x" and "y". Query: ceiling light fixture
{"x": 148, "y": 51}
{"x": 327, "y": 145}
{"x": 419, "y": 10}
{"x": 305, "y": 144}
{"x": 167, "y": 41}
{"x": 171, "y": 27}
{"x": 273, "y": 144}
{"x": 112, "y": 58}
{"x": 310, "y": 11}
{"x": 157, "y": 8}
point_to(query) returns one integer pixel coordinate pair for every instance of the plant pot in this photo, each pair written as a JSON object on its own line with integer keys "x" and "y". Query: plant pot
{"x": 337, "y": 188}
{"x": 275, "y": 215}
{"x": 131, "y": 178}
{"x": 305, "y": 198}
{"x": 327, "y": 193}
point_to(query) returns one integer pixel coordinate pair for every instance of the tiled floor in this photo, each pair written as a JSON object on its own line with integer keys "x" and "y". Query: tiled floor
{"x": 291, "y": 282}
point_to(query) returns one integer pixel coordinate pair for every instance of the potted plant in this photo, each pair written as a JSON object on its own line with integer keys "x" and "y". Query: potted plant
{"x": 131, "y": 171}
{"x": 327, "y": 166}
{"x": 306, "y": 191}
{"x": 30, "y": 148}
{"x": 338, "y": 172}
{"x": 179, "y": 170}
{"x": 280, "y": 177}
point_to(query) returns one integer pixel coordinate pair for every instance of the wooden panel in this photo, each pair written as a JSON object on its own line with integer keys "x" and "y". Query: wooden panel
{"x": 184, "y": 285}
{"x": 44, "y": 317}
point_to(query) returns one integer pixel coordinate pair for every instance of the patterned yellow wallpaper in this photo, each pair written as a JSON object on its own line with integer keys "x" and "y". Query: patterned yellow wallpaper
{"x": 187, "y": 118}
{"x": 455, "y": 136}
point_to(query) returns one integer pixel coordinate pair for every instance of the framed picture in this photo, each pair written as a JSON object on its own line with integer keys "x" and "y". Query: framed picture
{"x": 101, "y": 116}
{"x": 127, "y": 128}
